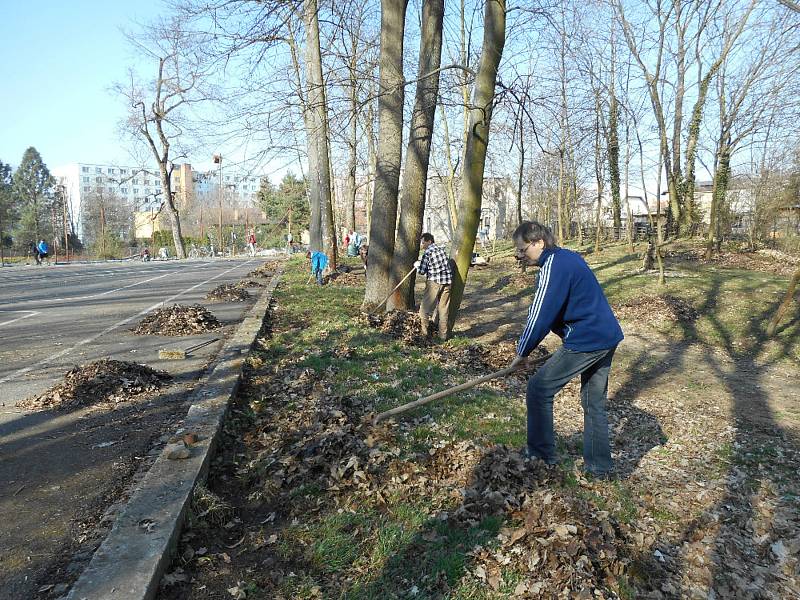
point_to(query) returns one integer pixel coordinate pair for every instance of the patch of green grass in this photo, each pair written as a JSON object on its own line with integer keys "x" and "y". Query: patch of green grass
{"x": 625, "y": 509}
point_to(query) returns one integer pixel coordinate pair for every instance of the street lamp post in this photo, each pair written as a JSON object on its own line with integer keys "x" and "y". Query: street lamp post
{"x": 218, "y": 161}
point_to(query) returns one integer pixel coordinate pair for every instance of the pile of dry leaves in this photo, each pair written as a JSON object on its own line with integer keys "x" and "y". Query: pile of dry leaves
{"x": 177, "y": 319}
{"x": 102, "y": 382}
{"x": 658, "y": 310}
{"x": 228, "y": 292}
{"x": 349, "y": 279}
{"x": 248, "y": 283}
{"x": 266, "y": 270}
{"x": 401, "y": 324}
{"x": 481, "y": 359}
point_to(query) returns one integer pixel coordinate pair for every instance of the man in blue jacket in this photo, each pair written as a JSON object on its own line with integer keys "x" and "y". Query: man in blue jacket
{"x": 569, "y": 302}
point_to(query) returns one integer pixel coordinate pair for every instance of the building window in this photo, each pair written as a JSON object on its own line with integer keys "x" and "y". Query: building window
{"x": 85, "y": 180}
{"x": 86, "y": 188}
{"x": 98, "y": 170}
{"x": 135, "y": 190}
{"x": 85, "y": 169}
{"x": 98, "y": 179}
{"x": 124, "y": 190}
{"x": 110, "y": 171}
{"x": 123, "y": 171}
{"x": 147, "y": 182}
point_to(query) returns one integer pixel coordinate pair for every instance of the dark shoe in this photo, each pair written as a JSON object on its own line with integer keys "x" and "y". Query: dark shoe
{"x": 528, "y": 455}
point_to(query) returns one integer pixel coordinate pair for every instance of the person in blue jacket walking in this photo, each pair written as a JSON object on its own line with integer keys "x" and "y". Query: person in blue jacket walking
{"x": 42, "y": 251}
{"x": 319, "y": 261}
{"x": 569, "y": 302}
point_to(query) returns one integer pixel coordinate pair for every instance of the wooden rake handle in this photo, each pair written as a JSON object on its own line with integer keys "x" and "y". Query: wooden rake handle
{"x": 453, "y": 390}
{"x": 385, "y": 300}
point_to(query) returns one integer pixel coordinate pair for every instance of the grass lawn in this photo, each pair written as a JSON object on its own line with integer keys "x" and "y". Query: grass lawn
{"x": 307, "y": 500}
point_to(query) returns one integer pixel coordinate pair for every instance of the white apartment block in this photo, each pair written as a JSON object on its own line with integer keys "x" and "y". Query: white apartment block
{"x": 140, "y": 188}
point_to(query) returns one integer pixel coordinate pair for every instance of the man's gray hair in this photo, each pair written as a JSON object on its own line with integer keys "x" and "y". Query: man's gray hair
{"x": 531, "y": 231}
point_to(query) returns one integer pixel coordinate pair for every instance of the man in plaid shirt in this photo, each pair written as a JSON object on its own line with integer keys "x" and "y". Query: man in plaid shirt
{"x": 436, "y": 266}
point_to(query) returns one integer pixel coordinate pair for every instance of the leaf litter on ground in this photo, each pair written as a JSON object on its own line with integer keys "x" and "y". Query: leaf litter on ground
{"x": 228, "y": 292}
{"x": 176, "y": 320}
{"x": 104, "y": 381}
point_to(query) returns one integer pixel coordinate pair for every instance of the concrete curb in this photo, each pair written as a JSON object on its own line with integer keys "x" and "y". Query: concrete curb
{"x": 130, "y": 562}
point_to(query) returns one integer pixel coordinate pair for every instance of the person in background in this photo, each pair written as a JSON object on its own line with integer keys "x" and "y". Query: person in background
{"x": 569, "y": 302}
{"x": 42, "y": 251}
{"x": 435, "y": 265}
{"x": 251, "y": 242}
{"x": 319, "y": 262}
{"x": 363, "y": 251}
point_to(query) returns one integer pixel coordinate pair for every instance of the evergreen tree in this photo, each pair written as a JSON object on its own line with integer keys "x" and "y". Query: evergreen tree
{"x": 5, "y": 204}
{"x": 32, "y": 187}
{"x": 276, "y": 203}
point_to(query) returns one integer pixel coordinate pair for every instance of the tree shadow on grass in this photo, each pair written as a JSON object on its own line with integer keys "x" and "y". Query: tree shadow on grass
{"x": 737, "y": 547}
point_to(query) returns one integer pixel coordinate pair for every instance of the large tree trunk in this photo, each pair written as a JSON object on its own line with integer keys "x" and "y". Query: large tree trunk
{"x": 316, "y": 128}
{"x": 390, "y": 152}
{"x": 172, "y": 210}
{"x": 494, "y": 37}
{"x": 718, "y": 193}
{"x": 415, "y": 176}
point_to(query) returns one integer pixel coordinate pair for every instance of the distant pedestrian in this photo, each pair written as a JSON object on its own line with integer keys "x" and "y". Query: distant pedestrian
{"x": 435, "y": 265}
{"x": 251, "y": 243}
{"x": 42, "y": 251}
{"x": 363, "y": 251}
{"x": 319, "y": 262}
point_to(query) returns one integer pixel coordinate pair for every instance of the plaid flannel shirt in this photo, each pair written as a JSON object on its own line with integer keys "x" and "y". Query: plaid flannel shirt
{"x": 436, "y": 265}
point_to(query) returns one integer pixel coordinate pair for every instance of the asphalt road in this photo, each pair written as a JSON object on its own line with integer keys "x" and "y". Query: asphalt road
{"x": 59, "y": 471}
{"x": 54, "y": 317}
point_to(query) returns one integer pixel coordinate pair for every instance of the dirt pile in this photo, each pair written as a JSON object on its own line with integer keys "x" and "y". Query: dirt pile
{"x": 401, "y": 324}
{"x": 228, "y": 292}
{"x": 177, "y": 319}
{"x": 102, "y": 382}
{"x": 658, "y": 310}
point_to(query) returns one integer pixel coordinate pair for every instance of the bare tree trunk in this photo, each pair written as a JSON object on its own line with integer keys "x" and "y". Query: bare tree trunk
{"x": 613, "y": 141}
{"x": 494, "y": 36}
{"x": 315, "y": 121}
{"x": 415, "y": 176}
{"x": 452, "y": 204}
{"x": 390, "y": 151}
{"x": 521, "y": 169}
{"x": 372, "y": 160}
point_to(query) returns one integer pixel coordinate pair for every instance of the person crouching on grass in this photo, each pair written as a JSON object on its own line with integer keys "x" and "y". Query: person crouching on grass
{"x": 435, "y": 265}
{"x": 319, "y": 261}
{"x": 569, "y": 302}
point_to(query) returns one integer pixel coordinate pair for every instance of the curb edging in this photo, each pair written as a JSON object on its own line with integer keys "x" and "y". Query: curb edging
{"x": 130, "y": 562}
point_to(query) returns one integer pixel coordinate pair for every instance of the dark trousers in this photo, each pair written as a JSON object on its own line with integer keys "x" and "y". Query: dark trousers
{"x": 593, "y": 367}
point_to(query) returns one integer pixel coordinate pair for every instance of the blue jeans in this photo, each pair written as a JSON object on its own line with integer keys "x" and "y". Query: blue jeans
{"x": 318, "y": 273}
{"x": 559, "y": 369}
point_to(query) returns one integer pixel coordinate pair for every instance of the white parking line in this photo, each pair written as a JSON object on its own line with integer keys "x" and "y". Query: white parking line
{"x": 30, "y": 314}
{"x": 110, "y": 328}
{"x": 98, "y": 295}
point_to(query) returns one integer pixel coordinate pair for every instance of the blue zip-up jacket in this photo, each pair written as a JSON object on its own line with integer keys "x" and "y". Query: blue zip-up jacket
{"x": 569, "y": 302}
{"x": 319, "y": 261}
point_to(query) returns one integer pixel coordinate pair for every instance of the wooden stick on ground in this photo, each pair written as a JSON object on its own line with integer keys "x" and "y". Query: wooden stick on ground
{"x": 453, "y": 390}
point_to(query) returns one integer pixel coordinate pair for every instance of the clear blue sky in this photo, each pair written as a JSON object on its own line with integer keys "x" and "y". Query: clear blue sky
{"x": 57, "y": 63}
